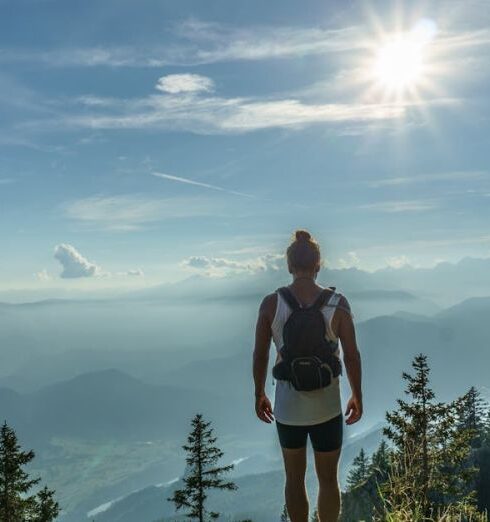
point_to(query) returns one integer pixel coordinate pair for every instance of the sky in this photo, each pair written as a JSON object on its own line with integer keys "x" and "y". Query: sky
{"x": 142, "y": 142}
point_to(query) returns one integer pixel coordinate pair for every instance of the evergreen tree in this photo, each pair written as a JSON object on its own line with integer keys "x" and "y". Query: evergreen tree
{"x": 284, "y": 514}
{"x": 202, "y": 475}
{"x": 314, "y": 516}
{"x": 472, "y": 415}
{"x": 16, "y": 505}
{"x": 359, "y": 471}
{"x": 380, "y": 463}
{"x": 48, "y": 509}
{"x": 428, "y": 469}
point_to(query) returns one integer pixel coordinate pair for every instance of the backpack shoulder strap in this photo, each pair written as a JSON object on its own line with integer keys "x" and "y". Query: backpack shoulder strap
{"x": 321, "y": 299}
{"x": 289, "y": 298}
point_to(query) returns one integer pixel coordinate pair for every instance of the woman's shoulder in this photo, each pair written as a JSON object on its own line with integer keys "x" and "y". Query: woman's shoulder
{"x": 343, "y": 303}
{"x": 268, "y": 305}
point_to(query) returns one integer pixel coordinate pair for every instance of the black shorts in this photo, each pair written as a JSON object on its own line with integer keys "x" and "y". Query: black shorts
{"x": 325, "y": 436}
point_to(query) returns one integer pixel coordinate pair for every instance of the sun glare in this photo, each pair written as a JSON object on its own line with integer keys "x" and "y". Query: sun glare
{"x": 401, "y": 60}
{"x": 399, "y": 64}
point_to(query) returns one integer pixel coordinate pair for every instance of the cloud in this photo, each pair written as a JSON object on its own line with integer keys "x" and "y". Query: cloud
{"x": 132, "y": 212}
{"x": 75, "y": 266}
{"x": 219, "y": 266}
{"x": 73, "y": 263}
{"x": 397, "y": 261}
{"x": 351, "y": 260}
{"x": 415, "y": 205}
{"x": 43, "y": 275}
{"x": 176, "y": 83}
{"x": 219, "y": 115}
{"x": 424, "y": 178}
{"x": 195, "y": 42}
{"x": 132, "y": 273}
{"x": 199, "y": 184}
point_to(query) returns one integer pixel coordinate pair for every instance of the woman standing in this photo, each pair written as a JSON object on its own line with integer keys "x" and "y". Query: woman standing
{"x": 316, "y": 413}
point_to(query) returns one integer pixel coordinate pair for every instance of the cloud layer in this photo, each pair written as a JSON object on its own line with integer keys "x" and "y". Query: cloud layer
{"x": 218, "y": 266}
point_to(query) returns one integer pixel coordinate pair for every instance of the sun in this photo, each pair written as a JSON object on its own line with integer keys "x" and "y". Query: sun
{"x": 401, "y": 61}
{"x": 399, "y": 64}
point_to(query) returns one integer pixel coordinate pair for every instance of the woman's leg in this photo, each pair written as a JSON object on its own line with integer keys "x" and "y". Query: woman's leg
{"x": 293, "y": 444}
{"x": 295, "y": 488}
{"x": 326, "y": 439}
{"x": 326, "y": 465}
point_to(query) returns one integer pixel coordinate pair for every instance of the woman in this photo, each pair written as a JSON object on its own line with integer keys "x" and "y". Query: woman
{"x": 317, "y": 413}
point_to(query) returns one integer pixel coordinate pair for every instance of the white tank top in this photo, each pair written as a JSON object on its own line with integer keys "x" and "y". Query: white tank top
{"x": 305, "y": 407}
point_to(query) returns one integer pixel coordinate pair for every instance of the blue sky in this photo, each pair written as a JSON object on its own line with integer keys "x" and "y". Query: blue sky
{"x": 144, "y": 141}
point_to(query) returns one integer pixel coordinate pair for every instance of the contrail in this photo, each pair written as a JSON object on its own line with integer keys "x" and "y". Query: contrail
{"x": 198, "y": 183}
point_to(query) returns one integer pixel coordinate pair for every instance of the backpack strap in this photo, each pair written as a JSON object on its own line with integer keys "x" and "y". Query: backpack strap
{"x": 295, "y": 305}
{"x": 289, "y": 297}
{"x": 320, "y": 300}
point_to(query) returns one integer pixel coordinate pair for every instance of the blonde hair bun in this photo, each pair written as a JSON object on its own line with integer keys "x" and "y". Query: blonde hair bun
{"x": 302, "y": 235}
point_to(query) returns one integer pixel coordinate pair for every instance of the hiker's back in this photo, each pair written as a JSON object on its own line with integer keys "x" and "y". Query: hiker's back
{"x": 305, "y": 407}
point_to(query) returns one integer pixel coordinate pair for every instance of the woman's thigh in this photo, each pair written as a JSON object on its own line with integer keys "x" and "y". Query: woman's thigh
{"x": 328, "y": 435}
{"x": 292, "y": 437}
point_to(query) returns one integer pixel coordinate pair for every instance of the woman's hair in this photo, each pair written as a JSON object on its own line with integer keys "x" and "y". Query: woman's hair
{"x": 303, "y": 253}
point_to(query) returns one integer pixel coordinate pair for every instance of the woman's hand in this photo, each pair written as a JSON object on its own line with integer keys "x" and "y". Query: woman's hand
{"x": 263, "y": 408}
{"x": 354, "y": 410}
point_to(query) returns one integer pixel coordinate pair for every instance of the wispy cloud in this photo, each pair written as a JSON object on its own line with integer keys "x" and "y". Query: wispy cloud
{"x": 199, "y": 184}
{"x": 132, "y": 212}
{"x": 426, "y": 178}
{"x": 196, "y": 42}
{"x": 416, "y": 205}
{"x": 175, "y": 83}
{"x": 218, "y": 115}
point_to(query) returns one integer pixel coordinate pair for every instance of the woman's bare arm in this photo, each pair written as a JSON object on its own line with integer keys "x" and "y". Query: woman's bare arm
{"x": 262, "y": 346}
{"x": 263, "y": 334}
{"x": 352, "y": 360}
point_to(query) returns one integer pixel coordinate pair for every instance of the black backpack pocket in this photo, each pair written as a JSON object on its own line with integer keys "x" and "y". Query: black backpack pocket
{"x": 310, "y": 373}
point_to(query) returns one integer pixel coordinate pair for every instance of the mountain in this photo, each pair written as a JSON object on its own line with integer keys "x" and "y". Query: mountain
{"x": 106, "y": 405}
{"x": 259, "y": 496}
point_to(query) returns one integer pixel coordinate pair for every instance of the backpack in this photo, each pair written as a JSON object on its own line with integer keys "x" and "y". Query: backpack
{"x": 308, "y": 360}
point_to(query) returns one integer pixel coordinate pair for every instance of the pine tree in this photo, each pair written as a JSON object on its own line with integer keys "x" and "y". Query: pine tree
{"x": 380, "y": 462}
{"x": 427, "y": 470}
{"x": 16, "y": 505}
{"x": 472, "y": 415}
{"x": 202, "y": 475}
{"x": 359, "y": 471}
{"x": 48, "y": 509}
{"x": 284, "y": 514}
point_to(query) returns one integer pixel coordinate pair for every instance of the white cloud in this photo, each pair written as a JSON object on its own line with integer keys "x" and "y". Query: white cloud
{"x": 195, "y": 42}
{"x": 132, "y": 212}
{"x": 219, "y": 266}
{"x": 218, "y": 115}
{"x": 351, "y": 260}
{"x": 397, "y": 261}
{"x": 132, "y": 273}
{"x": 415, "y": 205}
{"x": 73, "y": 263}
{"x": 436, "y": 176}
{"x": 43, "y": 275}
{"x": 176, "y": 83}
